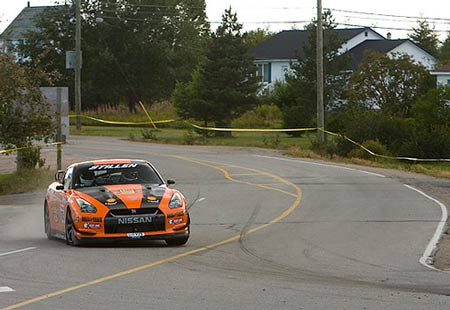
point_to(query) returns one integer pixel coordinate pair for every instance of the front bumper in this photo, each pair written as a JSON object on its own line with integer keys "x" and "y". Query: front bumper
{"x": 133, "y": 239}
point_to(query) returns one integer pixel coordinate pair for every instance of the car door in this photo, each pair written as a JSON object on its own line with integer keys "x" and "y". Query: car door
{"x": 59, "y": 203}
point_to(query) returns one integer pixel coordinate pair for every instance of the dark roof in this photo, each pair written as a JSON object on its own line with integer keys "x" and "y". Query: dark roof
{"x": 442, "y": 68}
{"x": 288, "y": 44}
{"x": 24, "y": 22}
{"x": 357, "y": 53}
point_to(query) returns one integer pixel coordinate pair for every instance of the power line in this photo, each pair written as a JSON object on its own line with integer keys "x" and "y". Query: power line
{"x": 381, "y": 27}
{"x": 391, "y": 15}
{"x": 387, "y": 19}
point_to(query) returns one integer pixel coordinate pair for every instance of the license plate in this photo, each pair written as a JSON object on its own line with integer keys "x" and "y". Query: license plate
{"x": 135, "y": 235}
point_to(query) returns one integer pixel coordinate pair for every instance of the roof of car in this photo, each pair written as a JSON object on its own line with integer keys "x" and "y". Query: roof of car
{"x": 109, "y": 162}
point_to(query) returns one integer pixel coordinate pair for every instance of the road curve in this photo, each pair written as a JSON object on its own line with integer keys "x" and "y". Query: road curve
{"x": 268, "y": 232}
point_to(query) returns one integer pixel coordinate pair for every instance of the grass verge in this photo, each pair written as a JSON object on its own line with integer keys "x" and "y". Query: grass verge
{"x": 436, "y": 169}
{"x": 25, "y": 181}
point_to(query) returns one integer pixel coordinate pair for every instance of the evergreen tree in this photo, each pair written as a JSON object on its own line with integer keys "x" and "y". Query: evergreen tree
{"x": 225, "y": 84}
{"x": 444, "y": 51}
{"x": 297, "y": 97}
{"x": 425, "y": 35}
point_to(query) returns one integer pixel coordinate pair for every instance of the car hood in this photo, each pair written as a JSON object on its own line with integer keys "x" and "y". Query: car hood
{"x": 131, "y": 196}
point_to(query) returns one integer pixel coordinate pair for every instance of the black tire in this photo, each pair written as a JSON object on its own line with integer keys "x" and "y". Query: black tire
{"x": 71, "y": 239}
{"x": 47, "y": 227}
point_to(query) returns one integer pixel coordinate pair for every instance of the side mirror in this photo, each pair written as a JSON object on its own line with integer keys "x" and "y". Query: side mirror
{"x": 59, "y": 175}
{"x": 170, "y": 182}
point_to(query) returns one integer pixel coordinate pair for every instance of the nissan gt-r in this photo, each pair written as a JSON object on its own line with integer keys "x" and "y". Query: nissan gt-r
{"x": 114, "y": 200}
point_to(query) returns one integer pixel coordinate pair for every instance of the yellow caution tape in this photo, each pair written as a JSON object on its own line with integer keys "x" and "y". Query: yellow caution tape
{"x": 27, "y": 147}
{"x": 124, "y": 123}
{"x": 385, "y": 156}
{"x": 243, "y": 130}
{"x": 250, "y": 129}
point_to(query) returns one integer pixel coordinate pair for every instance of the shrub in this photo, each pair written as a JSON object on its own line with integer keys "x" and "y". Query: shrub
{"x": 372, "y": 145}
{"x": 263, "y": 116}
{"x": 149, "y": 134}
{"x": 327, "y": 148}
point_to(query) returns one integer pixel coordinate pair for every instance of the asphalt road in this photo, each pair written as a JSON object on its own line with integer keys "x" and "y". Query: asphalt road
{"x": 267, "y": 233}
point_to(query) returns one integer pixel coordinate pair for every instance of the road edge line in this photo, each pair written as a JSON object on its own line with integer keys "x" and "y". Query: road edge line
{"x": 427, "y": 257}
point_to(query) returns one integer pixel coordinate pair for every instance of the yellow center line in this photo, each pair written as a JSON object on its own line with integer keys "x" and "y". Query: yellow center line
{"x": 213, "y": 165}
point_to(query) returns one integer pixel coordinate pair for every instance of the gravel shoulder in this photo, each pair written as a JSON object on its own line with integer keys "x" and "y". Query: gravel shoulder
{"x": 434, "y": 187}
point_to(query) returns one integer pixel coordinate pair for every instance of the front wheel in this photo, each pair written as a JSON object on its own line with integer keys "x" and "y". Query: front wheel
{"x": 47, "y": 226}
{"x": 71, "y": 239}
{"x": 177, "y": 241}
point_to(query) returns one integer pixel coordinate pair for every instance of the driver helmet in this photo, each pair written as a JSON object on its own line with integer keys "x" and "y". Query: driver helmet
{"x": 130, "y": 176}
{"x": 87, "y": 178}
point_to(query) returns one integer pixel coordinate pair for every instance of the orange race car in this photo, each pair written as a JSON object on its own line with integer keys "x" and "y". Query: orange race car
{"x": 114, "y": 199}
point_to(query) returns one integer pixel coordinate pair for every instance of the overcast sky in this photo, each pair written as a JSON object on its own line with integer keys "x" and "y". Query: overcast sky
{"x": 395, "y": 16}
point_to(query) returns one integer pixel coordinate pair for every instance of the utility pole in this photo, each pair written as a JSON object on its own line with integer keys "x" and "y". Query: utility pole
{"x": 319, "y": 78}
{"x": 78, "y": 64}
{"x": 58, "y": 129}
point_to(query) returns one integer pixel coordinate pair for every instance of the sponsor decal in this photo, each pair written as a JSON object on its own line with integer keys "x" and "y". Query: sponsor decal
{"x": 180, "y": 213}
{"x": 152, "y": 199}
{"x": 134, "y": 220}
{"x": 110, "y": 202}
{"x": 62, "y": 212}
{"x": 92, "y": 225}
{"x": 127, "y": 191}
{"x": 133, "y": 198}
{"x": 76, "y": 219}
{"x": 175, "y": 221}
{"x": 55, "y": 216}
{"x": 136, "y": 235}
{"x": 112, "y": 166}
{"x": 91, "y": 219}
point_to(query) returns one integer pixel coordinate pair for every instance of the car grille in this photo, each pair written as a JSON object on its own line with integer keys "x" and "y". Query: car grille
{"x": 136, "y": 220}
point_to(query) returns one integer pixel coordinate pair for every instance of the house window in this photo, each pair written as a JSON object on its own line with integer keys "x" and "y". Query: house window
{"x": 448, "y": 82}
{"x": 264, "y": 72}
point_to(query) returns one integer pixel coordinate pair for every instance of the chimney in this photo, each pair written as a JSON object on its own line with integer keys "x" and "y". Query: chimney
{"x": 389, "y": 36}
{"x": 28, "y": 4}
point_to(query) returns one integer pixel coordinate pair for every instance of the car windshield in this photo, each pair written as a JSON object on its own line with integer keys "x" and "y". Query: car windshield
{"x": 99, "y": 175}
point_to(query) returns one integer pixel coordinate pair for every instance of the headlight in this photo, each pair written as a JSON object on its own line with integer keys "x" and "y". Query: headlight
{"x": 86, "y": 206}
{"x": 175, "y": 201}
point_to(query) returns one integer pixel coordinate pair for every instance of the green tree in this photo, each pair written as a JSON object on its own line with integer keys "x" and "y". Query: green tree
{"x": 139, "y": 51}
{"x": 431, "y": 131}
{"x": 426, "y": 36}
{"x": 187, "y": 98}
{"x": 26, "y": 116}
{"x": 226, "y": 83}
{"x": 254, "y": 37}
{"x": 444, "y": 51}
{"x": 391, "y": 84}
{"x": 297, "y": 97}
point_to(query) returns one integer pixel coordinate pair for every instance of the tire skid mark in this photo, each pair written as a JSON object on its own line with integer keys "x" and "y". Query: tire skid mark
{"x": 214, "y": 165}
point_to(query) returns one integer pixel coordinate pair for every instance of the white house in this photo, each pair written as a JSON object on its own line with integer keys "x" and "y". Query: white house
{"x": 274, "y": 56}
{"x": 24, "y": 22}
{"x": 442, "y": 74}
